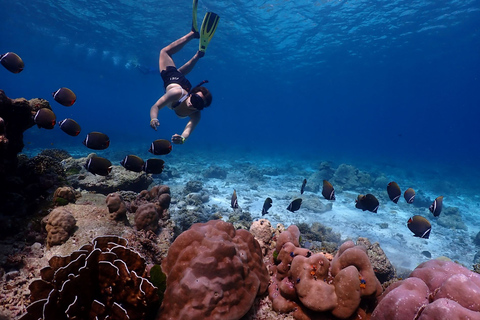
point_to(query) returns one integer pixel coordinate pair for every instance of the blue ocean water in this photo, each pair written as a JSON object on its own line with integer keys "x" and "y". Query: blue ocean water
{"x": 379, "y": 84}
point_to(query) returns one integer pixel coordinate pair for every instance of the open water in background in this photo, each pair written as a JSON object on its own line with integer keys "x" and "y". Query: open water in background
{"x": 373, "y": 83}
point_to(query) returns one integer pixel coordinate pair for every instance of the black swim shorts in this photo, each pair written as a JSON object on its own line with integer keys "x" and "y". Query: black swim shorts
{"x": 172, "y": 75}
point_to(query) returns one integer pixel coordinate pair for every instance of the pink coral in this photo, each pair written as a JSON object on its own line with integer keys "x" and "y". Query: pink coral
{"x": 311, "y": 286}
{"x": 213, "y": 272}
{"x": 436, "y": 289}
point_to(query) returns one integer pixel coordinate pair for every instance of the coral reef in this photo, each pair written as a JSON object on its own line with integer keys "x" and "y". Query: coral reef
{"x": 150, "y": 207}
{"x": 318, "y": 285}
{"x": 436, "y": 289}
{"x": 118, "y": 179}
{"x": 102, "y": 280}
{"x": 383, "y": 268}
{"x": 347, "y": 177}
{"x": 215, "y": 172}
{"x": 59, "y": 224}
{"x": 116, "y": 206}
{"x": 17, "y": 116}
{"x": 64, "y": 195}
{"x": 213, "y": 272}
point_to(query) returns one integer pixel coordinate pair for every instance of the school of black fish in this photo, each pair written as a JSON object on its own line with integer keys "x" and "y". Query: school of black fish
{"x": 45, "y": 118}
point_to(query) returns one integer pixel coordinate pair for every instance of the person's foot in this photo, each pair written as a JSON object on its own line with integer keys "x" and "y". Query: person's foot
{"x": 200, "y": 54}
{"x": 196, "y": 34}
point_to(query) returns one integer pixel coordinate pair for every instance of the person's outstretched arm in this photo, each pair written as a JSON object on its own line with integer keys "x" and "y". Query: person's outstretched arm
{"x": 169, "y": 97}
{"x": 192, "y": 123}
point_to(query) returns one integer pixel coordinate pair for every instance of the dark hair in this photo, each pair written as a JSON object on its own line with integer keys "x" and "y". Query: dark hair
{"x": 206, "y": 94}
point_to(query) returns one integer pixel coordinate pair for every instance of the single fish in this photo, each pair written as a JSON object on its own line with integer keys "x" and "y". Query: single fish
{"x": 160, "y": 147}
{"x": 133, "y": 163}
{"x": 98, "y": 165}
{"x": 436, "y": 206}
{"x": 394, "y": 192}
{"x": 45, "y": 118}
{"x": 328, "y": 192}
{"x": 367, "y": 202}
{"x": 234, "y": 200}
{"x": 266, "y": 205}
{"x": 12, "y": 62}
{"x": 304, "y": 183}
{"x": 97, "y": 141}
{"x": 409, "y": 195}
{"x": 294, "y": 205}
{"x": 153, "y": 166}
{"x": 70, "y": 127}
{"x": 420, "y": 226}
{"x": 65, "y": 97}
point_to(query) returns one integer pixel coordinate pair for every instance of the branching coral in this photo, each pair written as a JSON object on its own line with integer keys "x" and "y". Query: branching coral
{"x": 102, "y": 280}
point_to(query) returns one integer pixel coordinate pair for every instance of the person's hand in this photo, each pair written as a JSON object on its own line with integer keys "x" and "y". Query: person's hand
{"x": 154, "y": 123}
{"x": 178, "y": 139}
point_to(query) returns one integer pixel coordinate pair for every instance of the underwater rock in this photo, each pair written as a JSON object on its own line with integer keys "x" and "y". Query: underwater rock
{"x": 318, "y": 232}
{"x": 312, "y": 203}
{"x": 193, "y": 186}
{"x": 59, "y": 224}
{"x": 476, "y": 240}
{"x": 118, "y": 179}
{"x": 262, "y": 231}
{"x": 451, "y": 218}
{"x": 215, "y": 172}
{"x": 347, "y": 177}
{"x": 384, "y": 270}
{"x": 220, "y": 283}
{"x": 101, "y": 280}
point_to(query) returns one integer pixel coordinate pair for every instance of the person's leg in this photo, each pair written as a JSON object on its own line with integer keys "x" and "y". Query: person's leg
{"x": 165, "y": 58}
{"x": 188, "y": 66}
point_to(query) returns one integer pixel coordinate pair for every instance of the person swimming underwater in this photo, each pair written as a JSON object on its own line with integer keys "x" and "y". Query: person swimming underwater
{"x": 179, "y": 94}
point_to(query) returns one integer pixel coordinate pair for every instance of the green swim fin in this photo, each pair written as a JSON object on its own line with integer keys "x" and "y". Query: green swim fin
{"x": 194, "y": 17}
{"x": 209, "y": 25}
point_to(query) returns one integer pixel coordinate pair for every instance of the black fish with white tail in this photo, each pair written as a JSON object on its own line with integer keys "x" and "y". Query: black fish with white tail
{"x": 234, "y": 200}
{"x": 45, "y": 118}
{"x": 153, "y": 166}
{"x": 12, "y": 62}
{"x": 436, "y": 206}
{"x": 97, "y": 141}
{"x": 304, "y": 183}
{"x": 70, "y": 127}
{"x": 266, "y": 205}
{"x": 409, "y": 195}
{"x": 328, "y": 192}
{"x": 65, "y": 97}
{"x": 294, "y": 205}
{"x": 420, "y": 226}
{"x": 133, "y": 163}
{"x": 367, "y": 202}
{"x": 98, "y": 165}
{"x": 160, "y": 147}
{"x": 394, "y": 192}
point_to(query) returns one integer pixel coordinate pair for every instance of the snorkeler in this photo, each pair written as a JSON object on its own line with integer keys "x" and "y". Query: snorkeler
{"x": 180, "y": 96}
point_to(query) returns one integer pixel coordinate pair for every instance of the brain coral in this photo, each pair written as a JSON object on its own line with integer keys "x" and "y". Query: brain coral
{"x": 213, "y": 272}
{"x": 436, "y": 289}
{"x": 102, "y": 280}
{"x": 315, "y": 286}
{"x": 59, "y": 225}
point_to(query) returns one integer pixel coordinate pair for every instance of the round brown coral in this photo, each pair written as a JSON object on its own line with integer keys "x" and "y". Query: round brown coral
{"x": 116, "y": 206}
{"x": 213, "y": 272}
{"x": 59, "y": 224}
